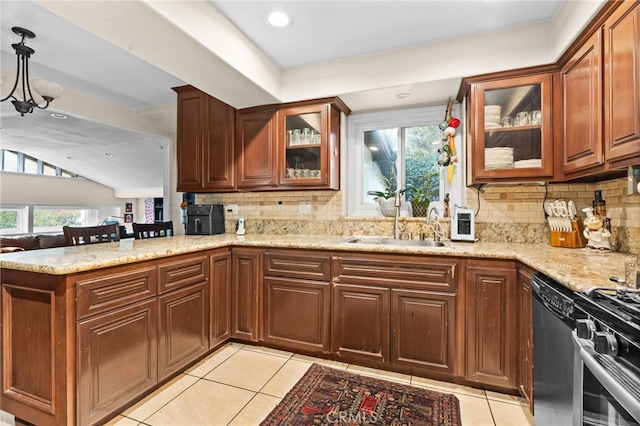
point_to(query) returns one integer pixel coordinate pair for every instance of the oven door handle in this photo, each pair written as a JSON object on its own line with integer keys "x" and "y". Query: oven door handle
{"x": 622, "y": 383}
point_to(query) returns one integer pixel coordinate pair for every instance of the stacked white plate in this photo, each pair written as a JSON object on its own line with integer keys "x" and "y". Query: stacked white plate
{"x": 492, "y": 116}
{"x": 535, "y": 162}
{"x": 498, "y": 158}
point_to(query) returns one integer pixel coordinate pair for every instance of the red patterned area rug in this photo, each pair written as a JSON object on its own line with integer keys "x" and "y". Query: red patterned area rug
{"x": 325, "y": 396}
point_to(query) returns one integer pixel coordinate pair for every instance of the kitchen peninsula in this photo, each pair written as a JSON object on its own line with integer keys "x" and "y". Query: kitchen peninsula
{"x": 88, "y": 330}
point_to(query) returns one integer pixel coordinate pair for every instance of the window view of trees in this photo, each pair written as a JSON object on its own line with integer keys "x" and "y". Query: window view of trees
{"x": 56, "y": 218}
{"x": 8, "y": 219}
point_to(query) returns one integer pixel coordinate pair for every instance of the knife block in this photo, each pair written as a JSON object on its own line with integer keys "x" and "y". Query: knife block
{"x": 570, "y": 239}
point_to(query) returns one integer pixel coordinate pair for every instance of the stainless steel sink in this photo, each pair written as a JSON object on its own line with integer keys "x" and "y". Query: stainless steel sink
{"x": 391, "y": 242}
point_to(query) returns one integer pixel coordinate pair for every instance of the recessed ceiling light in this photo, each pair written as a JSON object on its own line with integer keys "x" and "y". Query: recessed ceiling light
{"x": 279, "y": 19}
{"x": 404, "y": 95}
{"x": 59, "y": 116}
{"x": 108, "y": 154}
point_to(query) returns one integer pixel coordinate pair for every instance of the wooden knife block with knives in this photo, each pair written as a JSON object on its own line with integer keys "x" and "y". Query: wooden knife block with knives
{"x": 570, "y": 239}
{"x": 565, "y": 225}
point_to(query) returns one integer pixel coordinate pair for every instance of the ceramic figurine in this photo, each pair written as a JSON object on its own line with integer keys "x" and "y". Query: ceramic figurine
{"x": 595, "y": 231}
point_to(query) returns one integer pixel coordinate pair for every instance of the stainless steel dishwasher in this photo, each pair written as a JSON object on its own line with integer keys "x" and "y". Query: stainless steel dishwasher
{"x": 553, "y": 351}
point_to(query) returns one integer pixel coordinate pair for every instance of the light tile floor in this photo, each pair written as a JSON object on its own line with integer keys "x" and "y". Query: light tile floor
{"x": 240, "y": 384}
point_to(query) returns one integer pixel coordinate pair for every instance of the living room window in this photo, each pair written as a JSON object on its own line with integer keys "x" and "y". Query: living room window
{"x": 15, "y": 220}
{"x": 402, "y": 145}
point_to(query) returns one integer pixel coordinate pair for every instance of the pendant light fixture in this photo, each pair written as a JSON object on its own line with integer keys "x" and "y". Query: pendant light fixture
{"x": 49, "y": 91}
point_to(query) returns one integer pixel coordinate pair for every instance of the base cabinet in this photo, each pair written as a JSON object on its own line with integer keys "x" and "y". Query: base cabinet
{"x": 491, "y": 323}
{"x": 184, "y": 328}
{"x": 360, "y": 323}
{"x": 245, "y": 313}
{"x": 117, "y": 359}
{"x": 525, "y": 335}
{"x": 220, "y": 298}
{"x": 423, "y": 330}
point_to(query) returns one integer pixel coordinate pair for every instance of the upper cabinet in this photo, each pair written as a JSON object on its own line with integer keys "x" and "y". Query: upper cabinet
{"x": 601, "y": 95}
{"x": 272, "y": 147}
{"x": 205, "y": 148}
{"x": 622, "y": 86}
{"x": 310, "y": 144}
{"x": 511, "y": 123}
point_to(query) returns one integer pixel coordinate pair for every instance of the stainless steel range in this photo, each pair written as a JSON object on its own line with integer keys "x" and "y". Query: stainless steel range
{"x": 607, "y": 357}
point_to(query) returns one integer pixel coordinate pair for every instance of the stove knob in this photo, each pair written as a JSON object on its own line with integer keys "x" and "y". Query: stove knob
{"x": 605, "y": 343}
{"x": 585, "y": 328}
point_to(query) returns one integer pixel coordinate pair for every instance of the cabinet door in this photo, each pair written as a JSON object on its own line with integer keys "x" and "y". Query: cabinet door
{"x": 423, "y": 330}
{"x": 360, "y": 324}
{"x": 245, "y": 295}
{"x": 192, "y": 111}
{"x": 256, "y": 149}
{"x": 523, "y": 148}
{"x": 117, "y": 359}
{"x": 220, "y": 295}
{"x": 525, "y": 335}
{"x": 184, "y": 327}
{"x": 491, "y": 323}
{"x": 622, "y": 85}
{"x": 219, "y": 148}
{"x": 296, "y": 314}
{"x": 582, "y": 108}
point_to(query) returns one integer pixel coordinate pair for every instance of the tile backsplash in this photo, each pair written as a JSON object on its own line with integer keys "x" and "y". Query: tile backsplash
{"x": 506, "y": 213}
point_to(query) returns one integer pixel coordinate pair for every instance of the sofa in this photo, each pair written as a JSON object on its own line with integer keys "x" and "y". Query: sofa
{"x": 31, "y": 242}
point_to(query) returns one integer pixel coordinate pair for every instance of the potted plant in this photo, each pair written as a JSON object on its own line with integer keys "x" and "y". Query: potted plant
{"x": 386, "y": 197}
{"x": 420, "y": 195}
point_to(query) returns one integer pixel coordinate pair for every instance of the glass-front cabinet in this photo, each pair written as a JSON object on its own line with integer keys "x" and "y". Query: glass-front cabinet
{"x": 511, "y": 123}
{"x": 310, "y": 141}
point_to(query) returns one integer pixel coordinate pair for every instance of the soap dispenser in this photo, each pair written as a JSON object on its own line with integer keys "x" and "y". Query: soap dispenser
{"x": 240, "y": 230}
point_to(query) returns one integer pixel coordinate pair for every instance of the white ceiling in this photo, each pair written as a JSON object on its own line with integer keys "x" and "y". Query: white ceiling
{"x": 102, "y": 59}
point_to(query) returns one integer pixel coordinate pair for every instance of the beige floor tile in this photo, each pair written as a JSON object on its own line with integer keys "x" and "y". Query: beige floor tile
{"x": 405, "y": 379}
{"x": 247, "y": 370}
{"x": 269, "y": 351}
{"x": 502, "y": 397}
{"x": 510, "y": 414}
{"x": 446, "y": 387}
{"x": 256, "y": 410}
{"x": 6, "y": 419}
{"x": 474, "y": 411}
{"x": 155, "y": 401}
{"x": 122, "y": 421}
{"x": 204, "y": 403}
{"x": 326, "y": 362}
{"x": 285, "y": 378}
{"x": 205, "y": 366}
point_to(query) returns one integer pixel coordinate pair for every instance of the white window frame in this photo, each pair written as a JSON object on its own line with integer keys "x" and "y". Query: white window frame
{"x": 352, "y": 197}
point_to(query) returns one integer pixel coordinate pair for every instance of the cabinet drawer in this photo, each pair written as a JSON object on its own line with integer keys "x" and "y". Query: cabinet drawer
{"x": 295, "y": 265}
{"x": 401, "y": 271}
{"x": 101, "y": 294}
{"x": 182, "y": 273}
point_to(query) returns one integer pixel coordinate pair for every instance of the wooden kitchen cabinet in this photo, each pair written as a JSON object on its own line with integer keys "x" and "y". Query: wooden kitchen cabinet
{"x": 398, "y": 311}
{"x": 582, "y": 109}
{"x": 117, "y": 359}
{"x": 205, "y": 142}
{"x": 220, "y": 298}
{"x": 309, "y": 138}
{"x": 297, "y": 300}
{"x": 622, "y": 85}
{"x": 423, "y": 331}
{"x": 522, "y": 151}
{"x": 491, "y": 329}
{"x": 245, "y": 294}
{"x": 525, "y": 334}
{"x": 360, "y": 324}
{"x": 257, "y": 148}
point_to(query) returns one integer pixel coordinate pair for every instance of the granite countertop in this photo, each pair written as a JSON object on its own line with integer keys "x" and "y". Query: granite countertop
{"x": 578, "y": 269}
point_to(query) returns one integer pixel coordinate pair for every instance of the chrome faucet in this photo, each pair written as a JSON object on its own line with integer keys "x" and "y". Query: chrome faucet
{"x": 396, "y": 227}
{"x": 438, "y": 230}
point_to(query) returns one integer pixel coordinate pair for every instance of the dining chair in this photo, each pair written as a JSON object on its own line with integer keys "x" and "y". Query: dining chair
{"x": 152, "y": 230}
{"x": 79, "y": 235}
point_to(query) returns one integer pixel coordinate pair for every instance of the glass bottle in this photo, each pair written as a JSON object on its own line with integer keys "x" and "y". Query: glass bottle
{"x": 599, "y": 205}
{"x": 306, "y": 136}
